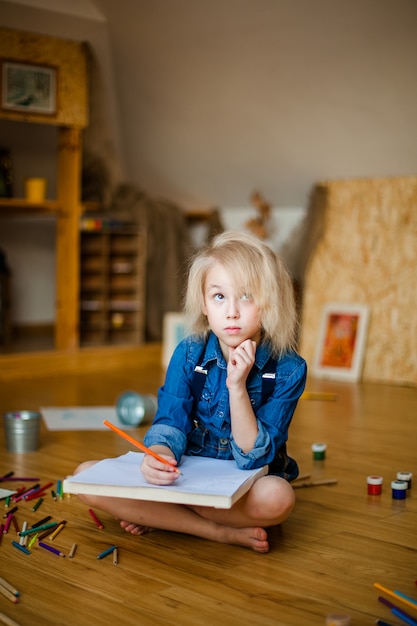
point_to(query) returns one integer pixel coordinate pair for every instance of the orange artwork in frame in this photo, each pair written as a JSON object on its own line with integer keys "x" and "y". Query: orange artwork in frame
{"x": 341, "y": 345}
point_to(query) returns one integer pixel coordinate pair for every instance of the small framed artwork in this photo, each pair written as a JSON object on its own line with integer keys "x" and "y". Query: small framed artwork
{"x": 173, "y": 332}
{"x": 28, "y": 88}
{"x": 341, "y": 343}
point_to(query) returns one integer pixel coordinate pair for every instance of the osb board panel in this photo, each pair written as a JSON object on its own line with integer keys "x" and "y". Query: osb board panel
{"x": 368, "y": 254}
{"x": 70, "y": 59}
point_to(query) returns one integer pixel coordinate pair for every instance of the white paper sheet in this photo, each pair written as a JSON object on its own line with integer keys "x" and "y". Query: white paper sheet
{"x": 80, "y": 418}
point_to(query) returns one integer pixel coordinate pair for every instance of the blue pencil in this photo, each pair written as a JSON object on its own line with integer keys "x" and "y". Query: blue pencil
{"x": 21, "y": 548}
{"x": 402, "y": 595}
{"x": 408, "y": 620}
{"x": 106, "y": 552}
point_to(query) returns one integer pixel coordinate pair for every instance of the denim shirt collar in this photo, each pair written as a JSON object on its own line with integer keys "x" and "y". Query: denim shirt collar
{"x": 213, "y": 352}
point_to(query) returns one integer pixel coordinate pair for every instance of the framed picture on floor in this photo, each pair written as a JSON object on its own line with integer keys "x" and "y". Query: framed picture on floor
{"x": 173, "y": 332}
{"x": 341, "y": 342}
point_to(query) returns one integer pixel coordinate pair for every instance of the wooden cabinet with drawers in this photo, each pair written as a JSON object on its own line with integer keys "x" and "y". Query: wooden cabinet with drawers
{"x": 112, "y": 286}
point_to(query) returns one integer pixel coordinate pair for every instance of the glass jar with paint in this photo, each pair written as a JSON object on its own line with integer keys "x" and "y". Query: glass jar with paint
{"x": 319, "y": 451}
{"x": 374, "y": 485}
{"x": 406, "y": 477}
{"x": 399, "y": 489}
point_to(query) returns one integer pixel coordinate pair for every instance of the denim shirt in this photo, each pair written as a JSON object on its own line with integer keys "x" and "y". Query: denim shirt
{"x": 202, "y": 426}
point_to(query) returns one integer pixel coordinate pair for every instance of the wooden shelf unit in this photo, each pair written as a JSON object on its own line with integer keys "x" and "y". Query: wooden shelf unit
{"x": 70, "y": 59}
{"x": 112, "y": 286}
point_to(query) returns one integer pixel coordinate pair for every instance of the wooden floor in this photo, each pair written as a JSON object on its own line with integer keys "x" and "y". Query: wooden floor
{"x": 323, "y": 560}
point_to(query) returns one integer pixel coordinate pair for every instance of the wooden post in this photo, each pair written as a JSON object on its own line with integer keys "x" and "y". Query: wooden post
{"x": 67, "y": 245}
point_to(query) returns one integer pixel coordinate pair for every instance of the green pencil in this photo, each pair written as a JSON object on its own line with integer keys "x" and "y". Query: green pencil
{"x": 29, "y": 531}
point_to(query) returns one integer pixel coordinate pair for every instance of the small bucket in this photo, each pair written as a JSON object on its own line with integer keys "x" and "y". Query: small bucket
{"x": 22, "y": 431}
{"x": 134, "y": 408}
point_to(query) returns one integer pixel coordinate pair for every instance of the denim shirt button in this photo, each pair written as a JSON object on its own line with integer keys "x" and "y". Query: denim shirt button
{"x": 224, "y": 441}
{"x": 221, "y": 413}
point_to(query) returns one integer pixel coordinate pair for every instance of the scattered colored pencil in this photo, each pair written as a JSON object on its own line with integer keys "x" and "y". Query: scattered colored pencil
{"x": 21, "y": 548}
{"x": 106, "y": 552}
{"x": 50, "y": 548}
{"x": 315, "y": 483}
{"x": 29, "y": 531}
{"x": 8, "y": 594}
{"x": 57, "y": 530}
{"x": 8, "y": 586}
{"x": 393, "y": 595}
{"x": 72, "y": 551}
{"x": 96, "y": 520}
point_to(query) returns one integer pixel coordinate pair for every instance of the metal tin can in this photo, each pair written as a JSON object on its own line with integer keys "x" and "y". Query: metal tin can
{"x": 133, "y": 408}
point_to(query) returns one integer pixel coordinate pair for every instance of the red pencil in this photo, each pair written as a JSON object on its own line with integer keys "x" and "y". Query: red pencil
{"x": 96, "y": 520}
{"x": 139, "y": 445}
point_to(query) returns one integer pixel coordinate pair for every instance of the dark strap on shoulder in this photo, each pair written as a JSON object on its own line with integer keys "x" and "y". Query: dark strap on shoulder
{"x": 268, "y": 380}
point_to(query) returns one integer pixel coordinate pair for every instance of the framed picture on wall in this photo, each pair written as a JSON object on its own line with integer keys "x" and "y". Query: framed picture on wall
{"x": 28, "y": 88}
{"x": 341, "y": 342}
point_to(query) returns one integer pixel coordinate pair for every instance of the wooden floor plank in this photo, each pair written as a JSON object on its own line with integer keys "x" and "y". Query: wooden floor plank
{"x": 323, "y": 559}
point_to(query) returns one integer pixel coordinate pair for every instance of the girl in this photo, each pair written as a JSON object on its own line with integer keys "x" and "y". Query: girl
{"x": 230, "y": 392}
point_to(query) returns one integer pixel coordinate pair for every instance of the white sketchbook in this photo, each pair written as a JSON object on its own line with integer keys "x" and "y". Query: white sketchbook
{"x": 204, "y": 481}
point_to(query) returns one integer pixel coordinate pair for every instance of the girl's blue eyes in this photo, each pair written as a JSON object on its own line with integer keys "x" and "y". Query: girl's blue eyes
{"x": 220, "y": 296}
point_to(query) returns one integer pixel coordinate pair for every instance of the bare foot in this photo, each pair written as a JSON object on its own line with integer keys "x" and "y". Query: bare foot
{"x": 135, "y": 529}
{"x": 255, "y": 538}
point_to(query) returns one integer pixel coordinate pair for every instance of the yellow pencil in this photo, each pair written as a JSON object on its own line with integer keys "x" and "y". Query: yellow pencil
{"x": 395, "y": 596}
{"x": 139, "y": 445}
{"x": 57, "y": 530}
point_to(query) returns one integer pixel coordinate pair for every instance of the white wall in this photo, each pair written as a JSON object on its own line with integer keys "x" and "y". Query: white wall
{"x": 206, "y": 101}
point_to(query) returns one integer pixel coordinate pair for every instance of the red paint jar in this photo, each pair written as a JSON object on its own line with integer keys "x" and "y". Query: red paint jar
{"x": 374, "y": 485}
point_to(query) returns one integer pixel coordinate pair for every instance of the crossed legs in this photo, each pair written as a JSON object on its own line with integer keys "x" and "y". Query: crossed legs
{"x": 268, "y": 503}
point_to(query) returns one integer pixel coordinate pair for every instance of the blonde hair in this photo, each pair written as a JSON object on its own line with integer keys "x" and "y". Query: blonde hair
{"x": 255, "y": 270}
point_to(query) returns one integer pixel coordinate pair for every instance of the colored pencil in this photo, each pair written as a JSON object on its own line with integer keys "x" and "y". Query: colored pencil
{"x": 15, "y": 478}
{"x": 29, "y": 531}
{"x": 37, "y": 504}
{"x": 140, "y": 445}
{"x": 106, "y": 552}
{"x": 390, "y": 605}
{"x": 402, "y": 595}
{"x": 7, "y": 594}
{"x": 23, "y": 539}
{"x": 393, "y": 595}
{"x": 21, "y": 548}
{"x": 316, "y": 483}
{"x": 115, "y": 556}
{"x": 13, "y": 510}
{"x": 41, "y": 521}
{"x": 7, "y": 524}
{"x": 8, "y": 586}
{"x": 96, "y": 520}
{"x": 408, "y": 620}
{"x": 16, "y": 525}
{"x": 50, "y": 548}
{"x": 72, "y": 551}
{"x": 57, "y": 530}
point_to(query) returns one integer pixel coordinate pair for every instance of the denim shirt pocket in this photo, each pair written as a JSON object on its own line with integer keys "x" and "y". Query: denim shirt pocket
{"x": 196, "y": 439}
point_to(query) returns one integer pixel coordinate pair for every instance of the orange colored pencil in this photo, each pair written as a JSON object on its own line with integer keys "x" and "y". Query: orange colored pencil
{"x": 139, "y": 445}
